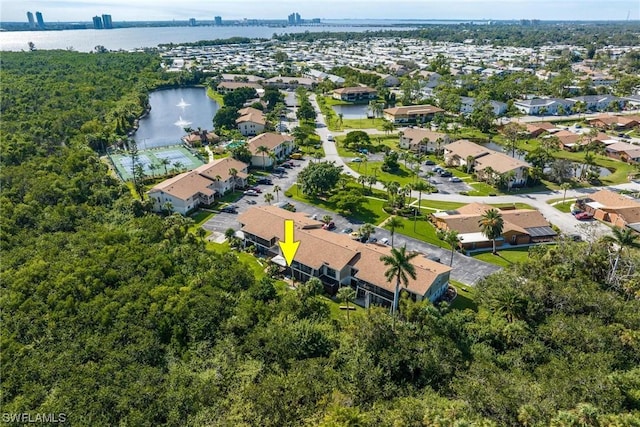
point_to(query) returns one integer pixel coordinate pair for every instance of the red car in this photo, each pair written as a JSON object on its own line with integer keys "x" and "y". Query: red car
{"x": 256, "y": 189}
{"x": 582, "y": 216}
{"x": 329, "y": 226}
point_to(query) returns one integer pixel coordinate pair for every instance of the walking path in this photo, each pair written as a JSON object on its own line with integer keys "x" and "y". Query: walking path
{"x": 565, "y": 222}
{"x": 210, "y": 153}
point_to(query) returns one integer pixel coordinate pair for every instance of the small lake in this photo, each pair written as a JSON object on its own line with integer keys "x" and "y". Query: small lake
{"x": 499, "y": 148}
{"x": 172, "y": 110}
{"x": 358, "y": 111}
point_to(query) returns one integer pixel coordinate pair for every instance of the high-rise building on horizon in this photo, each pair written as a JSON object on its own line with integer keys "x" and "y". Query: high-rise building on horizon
{"x": 40, "y": 20}
{"x": 294, "y": 19}
{"x": 97, "y": 23}
{"x": 32, "y": 22}
{"x": 192, "y": 22}
{"x": 217, "y": 20}
{"x": 106, "y": 22}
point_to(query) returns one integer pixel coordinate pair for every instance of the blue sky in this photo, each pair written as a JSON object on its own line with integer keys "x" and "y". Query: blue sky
{"x": 134, "y": 10}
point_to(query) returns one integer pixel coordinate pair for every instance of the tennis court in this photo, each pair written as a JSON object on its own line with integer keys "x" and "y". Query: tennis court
{"x": 152, "y": 161}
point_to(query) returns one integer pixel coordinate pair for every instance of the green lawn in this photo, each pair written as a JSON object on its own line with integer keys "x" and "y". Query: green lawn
{"x": 371, "y": 211}
{"x": 466, "y": 296}
{"x": 481, "y": 189}
{"x": 362, "y": 124}
{"x": 562, "y": 207}
{"x": 215, "y": 96}
{"x": 424, "y": 231}
{"x": 336, "y": 312}
{"x": 403, "y": 176}
{"x": 505, "y": 257}
{"x": 390, "y": 141}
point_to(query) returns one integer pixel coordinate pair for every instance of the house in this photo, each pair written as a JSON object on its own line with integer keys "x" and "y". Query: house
{"x": 336, "y": 259}
{"x": 573, "y": 141}
{"x": 428, "y": 79}
{"x": 458, "y": 152}
{"x": 494, "y": 166}
{"x": 534, "y": 130}
{"x": 625, "y": 152}
{"x": 290, "y": 82}
{"x": 633, "y": 100}
{"x": 280, "y": 146}
{"x": 225, "y": 87}
{"x": 355, "y": 94}
{"x": 411, "y": 113}
{"x": 200, "y": 137}
{"x": 251, "y": 121}
{"x": 240, "y": 78}
{"x": 421, "y": 140}
{"x": 467, "y": 105}
{"x": 617, "y": 209}
{"x": 544, "y": 106}
{"x": 599, "y": 102}
{"x": 187, "y": 191}
{"x": 615, "y": 122}
{"x": 521, "y": 226}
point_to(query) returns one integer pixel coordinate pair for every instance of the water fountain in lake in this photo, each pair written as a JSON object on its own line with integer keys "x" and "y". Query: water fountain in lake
{"x": 182, "y": 123}
{"x": 182, "y": 104}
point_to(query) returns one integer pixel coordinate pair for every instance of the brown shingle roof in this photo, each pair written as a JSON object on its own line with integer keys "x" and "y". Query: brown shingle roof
{"x": 464, "y": 148}
{"x": 609, "y": 199}
{"x": 184, "y": 186}
{"x": 354, "y": 89}
{"x": 418, "y": 134}
{"x": 413, "y": 109}
{"x": 221, "y": 168}
{"x": 499, "y": 162}
{"x": 468, "y": 219}
{"x": 269, "y": 140}
{"x": 318, "y": 247}
{"x": 238, "y": 85}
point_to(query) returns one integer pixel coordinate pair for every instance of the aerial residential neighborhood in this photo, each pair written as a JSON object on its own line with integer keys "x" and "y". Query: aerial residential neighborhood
{"x": 400, "y": 214}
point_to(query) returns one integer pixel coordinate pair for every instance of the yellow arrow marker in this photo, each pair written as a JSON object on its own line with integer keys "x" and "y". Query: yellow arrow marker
{"x": 288, "y": 247}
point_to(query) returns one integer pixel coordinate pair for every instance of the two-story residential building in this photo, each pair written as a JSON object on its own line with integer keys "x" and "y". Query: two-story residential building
{"x": 411, "y": 113}
{"x": 460, "y": 152}
{"x": 420, "y": 140}
{"x": 336, "y": 259}
{"x": 467, "y": 105}
{"x": 189, "y": 190}
{"x": 355, "y": 94}
{"x": 544, "y": 106}
{"x": 495, "y": 166}
{"x": 285, "y": 82}
{"x": 280, "y": 146}
{"x": 225, "y": 87}
{"x": 520, "y": 226}
{"x": 599, "y": 102}
{"x": 251, "y": 121}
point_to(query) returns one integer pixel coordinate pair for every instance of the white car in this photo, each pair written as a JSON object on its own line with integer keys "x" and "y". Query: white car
{"x": 330, "y": 138}
{"x": 384, "y": 241}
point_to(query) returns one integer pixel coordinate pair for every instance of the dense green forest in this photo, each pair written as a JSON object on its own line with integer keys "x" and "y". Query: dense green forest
{"x": 116, "y": 316}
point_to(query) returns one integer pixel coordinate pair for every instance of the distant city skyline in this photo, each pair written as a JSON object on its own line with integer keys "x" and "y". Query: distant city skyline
{"x": 166, "y": 10}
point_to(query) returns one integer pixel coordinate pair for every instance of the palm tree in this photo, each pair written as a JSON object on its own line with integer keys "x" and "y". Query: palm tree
{"x": 392, "y": 223}
{"x": 346, "y": 295}
{"x": 419, "y": 186}
{"x": 401, "y": 269}
{"x": 277, "y": 190}
{"x": 178, "y": 166}
{"x": 165, "y": 162}
{"x": 387, "y": 127}
{"x": 229, "y": 233}
{"x": 470, "y": 160}
{"x": 233, "y": 173}
{"x": 366, "y": 230}
{"x": 326, "y": 219}
{"x": 623, "y": 238}
{"x": 565, "y": 186}
{"x": 268, "y": 198}
{"x": 362, "y": 179}
{"x": 371, "y": 180}
{"x": 491, "y": 225}
{"x": 451, "y": 238}
{"x": 264, "y": 151}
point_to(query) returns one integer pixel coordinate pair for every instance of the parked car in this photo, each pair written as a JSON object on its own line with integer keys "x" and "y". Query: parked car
{"x": 583, "y": 216}
{"x": 372, "y": 240}
{"x": 229, "y": 209}
{"x": 251, "y": 193}
{"x": 429, "y": 163}
{"x": 251, "y": 202}
{"x": 355, "y": 235}
{"x": 329, "y": 226}
{"x": 279, "y": 169}
{"x": 437, "y": 168}
{"x": 445, "y": 173}
{"x": 296, "y": 156}
{"x": 256, "y": 189}
{"x": 330, "y": 138}
{"x": 266, "y": 181}
{"x": 384, "y": 241}
{"x": 432, "y": 257}
{"x": 347, "y": 230}
{"x": 357, "y": 160}
{"x": 575, "y": 237}
{"x": 455, "y": 179}
{"x": 433, "y": 181}
{"x": 286, "y": 165}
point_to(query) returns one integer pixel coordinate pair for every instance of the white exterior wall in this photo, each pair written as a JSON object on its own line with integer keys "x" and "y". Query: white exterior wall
{"x": 250, "y": 128}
